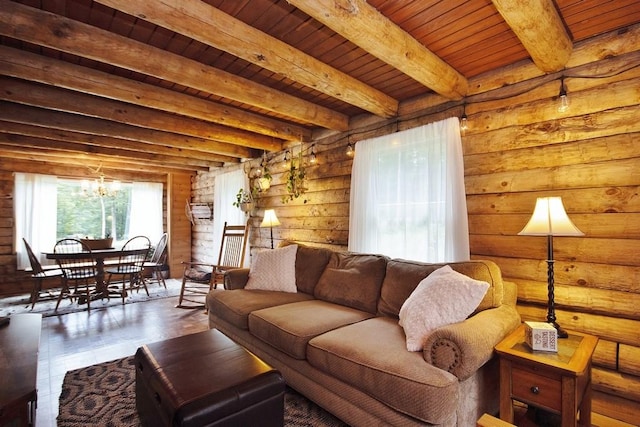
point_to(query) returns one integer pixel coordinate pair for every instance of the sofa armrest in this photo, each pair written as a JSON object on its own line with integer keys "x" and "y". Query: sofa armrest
{"x": 236, "y": 278}
{"x": 462, "y": 348}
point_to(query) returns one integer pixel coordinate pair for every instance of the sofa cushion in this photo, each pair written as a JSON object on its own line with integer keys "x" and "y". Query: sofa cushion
{"x": 290, "y": 327}
{"x": 235, "y": 305}
{"x": 274, "y": 270}
{"x": 310, "y": 263}
{"x": 403, "y": 276}
{"x": 442, "y": 298}
{"x": 370, "y": 356}
{"x": 353, "y": 280}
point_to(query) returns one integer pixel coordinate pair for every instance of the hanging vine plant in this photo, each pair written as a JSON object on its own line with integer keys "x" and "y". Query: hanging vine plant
{"x": 295, "y": 180}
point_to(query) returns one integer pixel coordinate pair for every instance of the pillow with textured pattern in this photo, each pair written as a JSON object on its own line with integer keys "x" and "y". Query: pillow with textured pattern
{"x": 274, "y": 270}
{"x": 442, "y": 298}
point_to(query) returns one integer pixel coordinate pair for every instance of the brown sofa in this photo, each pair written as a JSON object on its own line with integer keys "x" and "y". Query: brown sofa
{"x": 338, "y": 341}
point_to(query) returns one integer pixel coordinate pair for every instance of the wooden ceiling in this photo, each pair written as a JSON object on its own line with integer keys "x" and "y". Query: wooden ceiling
{"x": 187, "y": 85}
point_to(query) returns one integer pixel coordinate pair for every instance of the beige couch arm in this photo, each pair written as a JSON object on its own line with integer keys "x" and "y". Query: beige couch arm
{"x": 462, "y": 348}
{"x": 236, "y": 278}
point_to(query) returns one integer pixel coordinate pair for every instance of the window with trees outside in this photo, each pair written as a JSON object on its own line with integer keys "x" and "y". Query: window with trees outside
{"x": 48, "y": 208}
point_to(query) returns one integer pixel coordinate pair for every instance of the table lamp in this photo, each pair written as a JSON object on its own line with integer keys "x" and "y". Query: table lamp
{"x": 270, "y": 220}
{"x": 550, "y": 219}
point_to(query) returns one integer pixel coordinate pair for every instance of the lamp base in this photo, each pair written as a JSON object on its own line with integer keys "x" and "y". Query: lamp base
{"x": 560, "y": 332}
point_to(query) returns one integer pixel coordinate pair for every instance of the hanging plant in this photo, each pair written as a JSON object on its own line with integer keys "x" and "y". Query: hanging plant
{"x": 295, "y": 180}
{"x": 244, "y": 201}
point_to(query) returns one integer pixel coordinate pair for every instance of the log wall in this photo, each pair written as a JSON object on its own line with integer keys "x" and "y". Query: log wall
{"x": 519, "y": 147}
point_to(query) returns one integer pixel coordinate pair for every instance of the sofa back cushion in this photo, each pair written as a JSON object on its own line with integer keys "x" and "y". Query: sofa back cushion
{"x": 353, "y": 280}
{"x": 402, "y": 277}
{"x": 310, "y": 264}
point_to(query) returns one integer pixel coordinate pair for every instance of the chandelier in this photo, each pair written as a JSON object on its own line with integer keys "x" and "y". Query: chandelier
{"x": 100, "y": 188}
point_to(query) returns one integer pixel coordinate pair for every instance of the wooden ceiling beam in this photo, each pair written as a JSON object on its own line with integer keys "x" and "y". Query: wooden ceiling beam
{"x": 53, "y": 98}
{"x": 364, "y": 26}
{"x": 17, "y": 113}
{"x": 540, "y": 30}
{"x": 60, "y": 33}
{"x": 32, "y": 138}
{"x": 58, "y": 167}
{"x": 213, "y": 27}
{"x": 30, "y": 152}
{"x": 260, "y": 130}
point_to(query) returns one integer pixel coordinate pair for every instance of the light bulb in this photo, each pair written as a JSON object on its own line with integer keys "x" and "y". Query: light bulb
{"x": 350, "y": 150}
{"x": 563, "y": 99}
{"x": 463, "y": 123}
{"x": 313, "y": 159}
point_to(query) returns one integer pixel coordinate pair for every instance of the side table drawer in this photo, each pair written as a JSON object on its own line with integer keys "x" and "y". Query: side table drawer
{"x": 536, "y": 389}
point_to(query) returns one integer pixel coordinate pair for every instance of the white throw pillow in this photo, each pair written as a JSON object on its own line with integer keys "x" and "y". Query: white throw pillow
{"x": 443, "y": 297}
{"x": 274, "y": 270}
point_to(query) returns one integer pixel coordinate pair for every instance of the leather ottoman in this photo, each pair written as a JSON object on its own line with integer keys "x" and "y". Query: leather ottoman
{"x": 206, "y": 379}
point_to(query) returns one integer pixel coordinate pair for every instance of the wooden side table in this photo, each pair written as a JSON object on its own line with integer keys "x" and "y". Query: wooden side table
{"x": 557, "y": 382}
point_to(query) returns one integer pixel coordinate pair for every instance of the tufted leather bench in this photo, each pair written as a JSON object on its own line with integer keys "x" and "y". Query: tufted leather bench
{"x": 206, "y": 379}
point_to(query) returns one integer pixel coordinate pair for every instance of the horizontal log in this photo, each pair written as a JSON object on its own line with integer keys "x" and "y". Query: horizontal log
{"x": 617, "y": 408}
{"x": 606, "y": 354}
{"x": 598, "y": 124}
{"x": 584, "y": 249}
{"x": 622, "y": 278}
{"x": 609, "y": 148}
{"x": 598, "y": 174}
{"x": 629, "y": 360}
{"x": 624, "y": 331}
{"x": 576, "y": 200}
{"x": 588, "y": 300}
{"x": 615, "y": 383}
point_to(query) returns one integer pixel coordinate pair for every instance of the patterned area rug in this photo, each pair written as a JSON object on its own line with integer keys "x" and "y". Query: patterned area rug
{"x": 104, "y": 395}
{"x": 47, "y": 304}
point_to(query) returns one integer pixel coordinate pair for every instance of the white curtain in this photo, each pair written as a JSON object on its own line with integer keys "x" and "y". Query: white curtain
{"x": 408, "y": 196}
{"x": 145, "y": 217}
{"x": 35, "y": 205}
{"x": 226, "y": 187}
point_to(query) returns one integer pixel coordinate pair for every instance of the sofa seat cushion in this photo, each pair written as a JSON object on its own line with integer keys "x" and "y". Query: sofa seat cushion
{"x": 290, "y": 327}
{"x": 371, "y": 355}
{"x": 235, "y": 305}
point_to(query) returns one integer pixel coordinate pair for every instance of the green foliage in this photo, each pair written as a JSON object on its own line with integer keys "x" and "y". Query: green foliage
{"x": 80, "y": 215}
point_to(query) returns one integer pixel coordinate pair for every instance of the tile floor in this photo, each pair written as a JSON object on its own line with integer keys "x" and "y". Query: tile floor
{"x": 76, "y": 340}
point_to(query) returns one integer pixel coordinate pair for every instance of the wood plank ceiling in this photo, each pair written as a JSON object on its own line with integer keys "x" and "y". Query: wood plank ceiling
{"x": 187, "y": 85}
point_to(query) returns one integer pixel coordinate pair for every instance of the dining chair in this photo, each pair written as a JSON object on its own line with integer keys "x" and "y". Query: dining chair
{"x": 39, "y": 274}
{"x": 158, "y": 260}
{"x": 78, "y": 267}
{"x": 199, "y": 278}
{"x": 130, "y": 265}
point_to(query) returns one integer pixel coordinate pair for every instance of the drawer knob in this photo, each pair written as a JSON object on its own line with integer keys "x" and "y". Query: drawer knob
{"x": 535, "y": 389}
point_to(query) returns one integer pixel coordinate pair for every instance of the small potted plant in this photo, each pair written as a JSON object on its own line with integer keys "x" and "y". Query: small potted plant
{"x": 244, "y": 201}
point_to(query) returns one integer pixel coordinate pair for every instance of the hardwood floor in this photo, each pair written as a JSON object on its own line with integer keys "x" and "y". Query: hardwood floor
{"x": 76, "y": 340}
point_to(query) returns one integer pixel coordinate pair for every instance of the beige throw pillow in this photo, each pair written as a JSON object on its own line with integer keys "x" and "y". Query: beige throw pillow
{"x": 443, "y": 297}
{"x": 274, "y": 270}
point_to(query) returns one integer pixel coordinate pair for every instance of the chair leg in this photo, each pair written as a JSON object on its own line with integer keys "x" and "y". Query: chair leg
{"x": 35, "y": 292}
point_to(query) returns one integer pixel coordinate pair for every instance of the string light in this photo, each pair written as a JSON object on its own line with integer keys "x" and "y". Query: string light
{"x": 312, "y": 158}
{"x": 350, "y": 151}
{"x": 463, "y": 120}
{"x": 563, "y": 99}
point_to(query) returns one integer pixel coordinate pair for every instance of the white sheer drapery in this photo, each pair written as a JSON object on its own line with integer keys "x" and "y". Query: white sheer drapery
{"x": 226, "y": 187}
{"x": 145, "y": 216}
{"x": 35, "y": 204}
{"x": 408, "y": 196}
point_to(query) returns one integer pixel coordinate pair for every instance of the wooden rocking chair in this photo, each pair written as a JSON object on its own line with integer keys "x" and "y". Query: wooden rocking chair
{"x": 199, "y": 278}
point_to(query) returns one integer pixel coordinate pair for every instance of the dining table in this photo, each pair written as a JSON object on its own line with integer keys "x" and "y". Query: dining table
{"x": 103, "y": 258}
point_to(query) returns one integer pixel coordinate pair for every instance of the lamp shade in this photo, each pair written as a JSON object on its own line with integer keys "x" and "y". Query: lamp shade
{"x": 550, "y": 219}
{"x": 270, "y": 219}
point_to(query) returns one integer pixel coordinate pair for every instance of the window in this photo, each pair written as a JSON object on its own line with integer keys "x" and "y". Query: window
{"x": 48, "y": 208}
{"x": 407, "y": 195}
